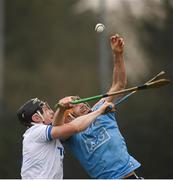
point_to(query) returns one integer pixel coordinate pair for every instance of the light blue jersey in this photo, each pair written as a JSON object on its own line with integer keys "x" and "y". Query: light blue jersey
{"x": 101, "y": 149}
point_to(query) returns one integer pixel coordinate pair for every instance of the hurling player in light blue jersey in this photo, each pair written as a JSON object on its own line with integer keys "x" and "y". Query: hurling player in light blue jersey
{"x": 101, "y": 148}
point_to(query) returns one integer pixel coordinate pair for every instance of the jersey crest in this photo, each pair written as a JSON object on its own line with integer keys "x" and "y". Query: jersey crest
{"x": 95, "y": 141}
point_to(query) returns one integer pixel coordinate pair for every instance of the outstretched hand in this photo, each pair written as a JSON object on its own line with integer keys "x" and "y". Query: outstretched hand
{"x": 117, "y": 44}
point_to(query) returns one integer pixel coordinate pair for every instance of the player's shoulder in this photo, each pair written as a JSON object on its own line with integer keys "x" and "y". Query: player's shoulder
{"x": 38, "y": 132}
{"x": 36, "y": 128}
{"x": 98, "y": 104}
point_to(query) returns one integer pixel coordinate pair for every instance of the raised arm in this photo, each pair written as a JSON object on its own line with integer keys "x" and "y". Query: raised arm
{"x": 77, "y": 125}
{"x": 119, "y": 79}
{"x": 59, "y": 113}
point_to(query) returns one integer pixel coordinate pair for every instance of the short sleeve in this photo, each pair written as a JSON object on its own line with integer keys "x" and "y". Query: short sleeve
{"x": 41, "y": 133}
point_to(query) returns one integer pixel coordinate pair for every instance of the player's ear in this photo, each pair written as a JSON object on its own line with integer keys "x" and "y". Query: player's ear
{"x": 36, "y": 118}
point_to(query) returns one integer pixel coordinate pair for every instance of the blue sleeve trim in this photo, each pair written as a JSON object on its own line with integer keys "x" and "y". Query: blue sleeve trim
{"x": 48, "y": 133}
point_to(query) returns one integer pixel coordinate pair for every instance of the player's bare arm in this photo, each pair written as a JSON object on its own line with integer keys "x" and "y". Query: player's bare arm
{"x": 79, "y": 124}
{"x": 119, "y": 78}
{"x": 64, "y": 104}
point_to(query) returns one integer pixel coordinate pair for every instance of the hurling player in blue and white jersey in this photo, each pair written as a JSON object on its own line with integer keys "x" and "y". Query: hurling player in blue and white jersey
{"x": 42, "y": 150}
{"x": 101, "y": 148}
